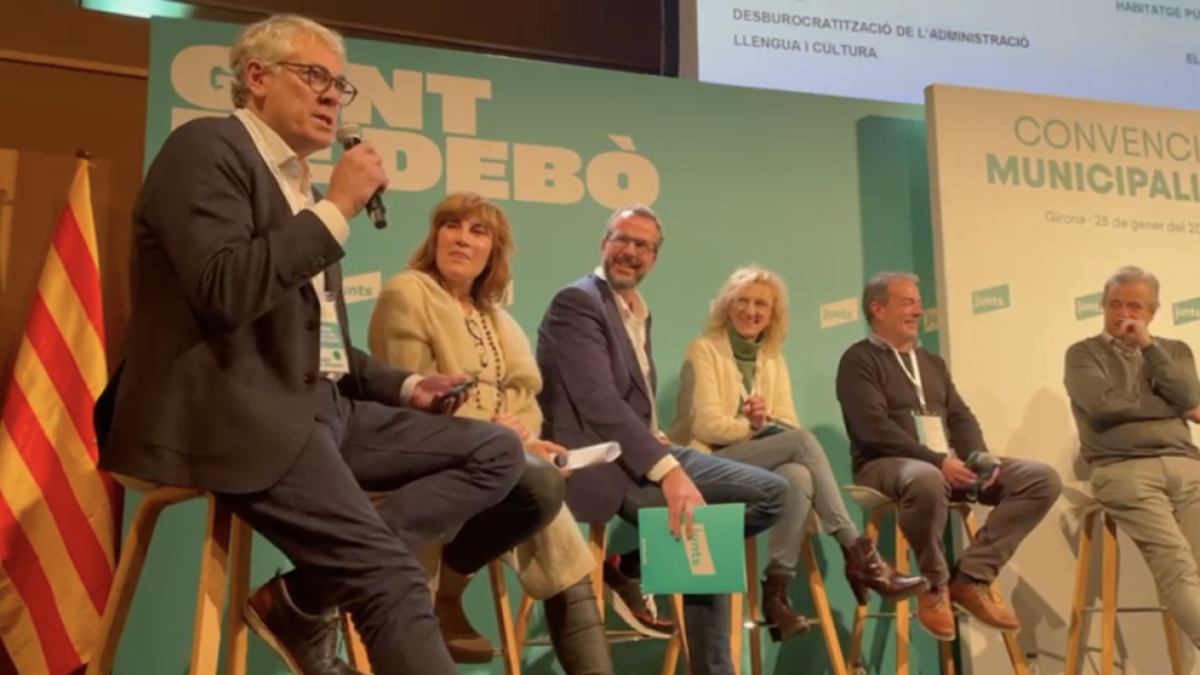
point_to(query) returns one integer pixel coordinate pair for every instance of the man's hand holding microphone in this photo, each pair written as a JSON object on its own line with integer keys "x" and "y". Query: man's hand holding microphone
{"x": 358, "y": 179}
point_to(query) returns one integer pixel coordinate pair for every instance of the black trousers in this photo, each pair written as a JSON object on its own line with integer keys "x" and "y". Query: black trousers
{"x": 440, "y": 470}
{"x": 525, "y": 510}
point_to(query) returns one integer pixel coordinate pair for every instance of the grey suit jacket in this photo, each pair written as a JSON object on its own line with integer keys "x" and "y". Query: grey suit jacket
{"x": 219, "y": 386}
{"x": 593, "y": 392}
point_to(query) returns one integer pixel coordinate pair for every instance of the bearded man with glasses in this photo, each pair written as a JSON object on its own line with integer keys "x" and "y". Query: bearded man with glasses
{"x": 239, "y": 377}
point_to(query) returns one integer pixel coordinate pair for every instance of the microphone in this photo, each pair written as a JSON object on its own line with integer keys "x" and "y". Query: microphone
{"x": 350, "y": 135}
{"x": 983, "y": 465}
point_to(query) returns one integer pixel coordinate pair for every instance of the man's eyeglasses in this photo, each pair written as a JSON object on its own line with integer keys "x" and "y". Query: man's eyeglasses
{"x": 640, "y": 245}
{"x": 320, "y": 80}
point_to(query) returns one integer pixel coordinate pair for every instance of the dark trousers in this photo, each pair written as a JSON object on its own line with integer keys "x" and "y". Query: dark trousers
{"x": 440, "y": 470}
{"x": 720, "y": 481}
{"x": 529, "y": 507}
{"x": 1022, "y": 495}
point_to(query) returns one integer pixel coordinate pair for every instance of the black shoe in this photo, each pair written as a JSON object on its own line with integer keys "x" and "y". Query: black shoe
{"x": 306, "y": 643}
{"x": 637, "y": 609}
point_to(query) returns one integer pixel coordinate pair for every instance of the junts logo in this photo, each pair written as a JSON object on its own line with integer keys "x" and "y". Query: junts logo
{"x": 839, "y": 313}
{"x": 1186, "y": 311}
{"x": 1087, "y": 306}
{"x": 990, "y": 299}
{"x": 699, "y": 555}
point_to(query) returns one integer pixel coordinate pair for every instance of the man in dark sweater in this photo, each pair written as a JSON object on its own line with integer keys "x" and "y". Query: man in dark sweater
{"x": 1133, "y": 395}
{"x": 911, "y": 437}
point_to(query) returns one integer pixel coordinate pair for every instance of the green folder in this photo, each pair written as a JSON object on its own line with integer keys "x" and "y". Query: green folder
{"x": 711, "y": 562}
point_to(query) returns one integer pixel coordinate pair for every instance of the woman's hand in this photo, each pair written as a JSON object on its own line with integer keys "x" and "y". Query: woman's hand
{"x": 755, "y": 409}
{"x": 518, "y": 427}
{"x": 548, "y": 451}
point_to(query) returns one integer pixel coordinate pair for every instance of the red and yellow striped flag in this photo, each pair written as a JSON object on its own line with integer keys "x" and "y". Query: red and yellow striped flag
{"x": 58, "y": 512}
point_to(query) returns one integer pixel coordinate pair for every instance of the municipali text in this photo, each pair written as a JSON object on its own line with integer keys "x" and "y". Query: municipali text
{"x": 1092, "y": 177}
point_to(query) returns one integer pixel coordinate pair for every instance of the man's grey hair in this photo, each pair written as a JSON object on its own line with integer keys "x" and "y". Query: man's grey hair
{"x": 634, "y": 210}
{"x": 270, "y": 41}
{"x": 878, "y": 287}
{"x": 1131, "y": 274}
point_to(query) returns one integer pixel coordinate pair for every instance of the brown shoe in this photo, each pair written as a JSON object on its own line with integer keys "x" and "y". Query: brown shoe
{"x": 867, "y": 570}
{"x": 777, "y": 611}
{"x": 935, "y": 614}
{"x": 306, "y": 643}
{"x": 462, "y": 641}
{"x": 976, "y": 599}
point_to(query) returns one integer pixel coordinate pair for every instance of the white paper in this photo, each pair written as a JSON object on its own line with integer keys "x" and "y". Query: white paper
{"x": 593, "y": 455}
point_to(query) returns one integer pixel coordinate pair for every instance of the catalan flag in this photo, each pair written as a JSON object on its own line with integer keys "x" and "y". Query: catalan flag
{"x": 58, "y": 512}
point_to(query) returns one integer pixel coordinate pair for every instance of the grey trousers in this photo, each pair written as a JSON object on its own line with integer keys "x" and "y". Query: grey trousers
{"x": 1022, "y": 495}
{"x": 797, "y": 456}
{"x": 1156, "y": 501}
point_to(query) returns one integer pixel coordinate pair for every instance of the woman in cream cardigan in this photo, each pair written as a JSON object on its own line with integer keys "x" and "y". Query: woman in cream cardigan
{"x": 444, "y": 314}
{"x": 735, "y": 401}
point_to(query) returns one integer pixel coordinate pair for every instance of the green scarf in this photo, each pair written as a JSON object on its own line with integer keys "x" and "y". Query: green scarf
{"x": 745, "y": 354}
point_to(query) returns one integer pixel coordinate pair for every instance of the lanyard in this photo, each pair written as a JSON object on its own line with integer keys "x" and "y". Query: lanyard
{"x": 914, "y": 375}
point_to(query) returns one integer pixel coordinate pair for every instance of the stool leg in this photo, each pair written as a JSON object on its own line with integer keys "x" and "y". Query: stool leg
{"x": 237, "y": 638}
{"x": 824, "y": 615}
{"x": 356, "y": 651}
{"x": 1173, "y": 643}
{"x": 737, "y": 619}
{"x": 903, "y": 625}
{"x": 678, "y": 641}
{"x": 754, "y": 607}
{"x": 524, "y": 612}
{"x": 128, "y": 572}
{"x": 860, "y": 612}
{"x": 210, "y": 600}
{"x": 1079, "y": 597}
{"x": 1011, "y": 645}
{"x": 946, "y": 653}
{"x": 1108, "y": 595}
{"x": 597, "y": 544}
{"x": 504, "y": 620}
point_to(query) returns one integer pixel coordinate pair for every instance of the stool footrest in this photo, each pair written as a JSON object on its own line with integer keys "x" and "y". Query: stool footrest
{"x": 1127, "y": 610}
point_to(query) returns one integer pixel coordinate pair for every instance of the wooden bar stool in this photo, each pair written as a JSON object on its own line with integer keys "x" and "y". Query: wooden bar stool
{"x": 816, "y": 585}
{"x": 1092, "y": 514}
{"x": 431, "y": 559}
{"x": 598, "y": 544}
{"x": 877, "y": 507}
{"x": 219, "y": 569}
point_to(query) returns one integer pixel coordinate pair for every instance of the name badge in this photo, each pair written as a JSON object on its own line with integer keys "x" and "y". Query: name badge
{"x": 334, "y": 359}
{"x": 932, "y": 433}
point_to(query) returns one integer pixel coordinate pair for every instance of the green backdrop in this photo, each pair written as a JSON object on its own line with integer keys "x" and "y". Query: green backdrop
{"x": 824, "y": 190}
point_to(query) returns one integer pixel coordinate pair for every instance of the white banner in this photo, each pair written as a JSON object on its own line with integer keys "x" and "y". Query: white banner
{"x": 1037, "y": 201}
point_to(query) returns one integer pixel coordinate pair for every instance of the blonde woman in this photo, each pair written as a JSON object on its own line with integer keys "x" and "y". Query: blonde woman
{"x": 445, "y": 314}
{"x": 735, "y": 401}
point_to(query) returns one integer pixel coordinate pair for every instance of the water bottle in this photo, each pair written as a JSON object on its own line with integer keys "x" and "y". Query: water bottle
{"x": 1031, "y": 660}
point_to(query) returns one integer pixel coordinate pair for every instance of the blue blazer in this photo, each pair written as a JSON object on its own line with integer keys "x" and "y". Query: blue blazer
{"x": 593, "y": 392}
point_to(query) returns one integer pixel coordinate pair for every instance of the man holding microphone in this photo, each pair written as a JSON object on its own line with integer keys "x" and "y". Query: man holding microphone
{"x": 239, "y": 378}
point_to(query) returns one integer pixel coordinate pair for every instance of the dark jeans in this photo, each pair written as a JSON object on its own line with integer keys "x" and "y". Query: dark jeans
{"x": 720, "y": 481}
{"x": 440, "y": 471}
{"x": 1022, "y": 495}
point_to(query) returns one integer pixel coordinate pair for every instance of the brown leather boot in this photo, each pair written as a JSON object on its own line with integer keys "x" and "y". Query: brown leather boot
{"x": 935, "y": 614}
{"x": 976, "y": 599}
{"x": 462, "y": 641}
{"x": 867, "y": 570}
{"x": 777, "y": 610}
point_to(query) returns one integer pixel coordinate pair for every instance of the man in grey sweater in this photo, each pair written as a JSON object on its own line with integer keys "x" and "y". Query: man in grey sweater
{"x": 1133, "y": 395}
